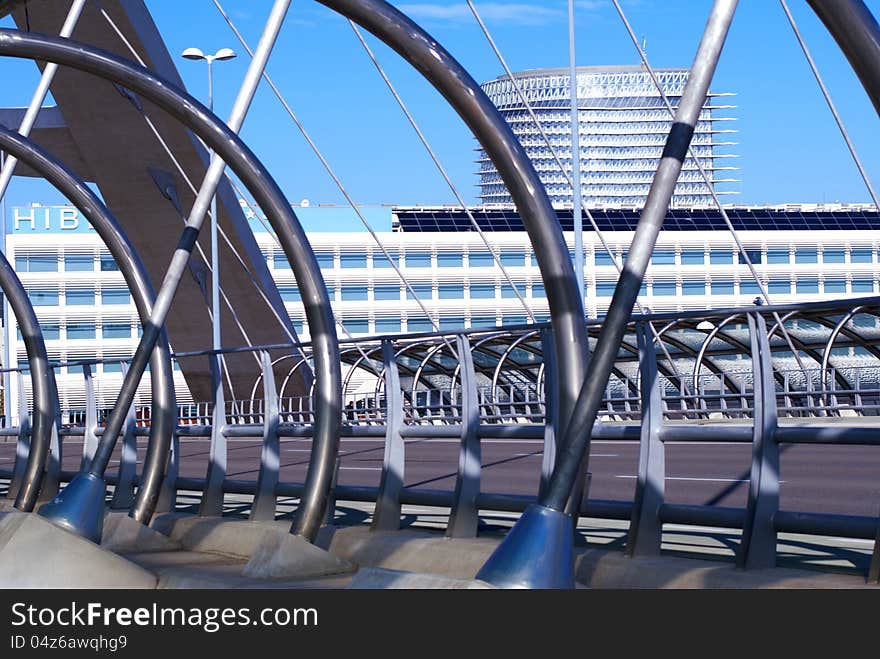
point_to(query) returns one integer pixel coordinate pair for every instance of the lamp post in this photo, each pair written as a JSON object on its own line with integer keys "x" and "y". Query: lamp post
{"x": 221, "y": 55}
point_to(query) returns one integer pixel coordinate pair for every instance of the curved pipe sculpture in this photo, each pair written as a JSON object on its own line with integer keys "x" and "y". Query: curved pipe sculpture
{"x": 241, "y": 160}
{"x": 163, "y": 412}
{"x": 45, "y": 392}
{"x": 507, "y": 154}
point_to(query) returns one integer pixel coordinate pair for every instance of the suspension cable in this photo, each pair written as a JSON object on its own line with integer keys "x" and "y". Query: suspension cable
{"x": 831, "y": 106}
{"x": 740, "y": 247}
{"x": 332, "y": 174}
{"x": 441, "y": 169}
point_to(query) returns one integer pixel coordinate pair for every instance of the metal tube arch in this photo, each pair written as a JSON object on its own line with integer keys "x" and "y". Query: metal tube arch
{"x": 241, "y": 160}
{"x": 163, "y": 411}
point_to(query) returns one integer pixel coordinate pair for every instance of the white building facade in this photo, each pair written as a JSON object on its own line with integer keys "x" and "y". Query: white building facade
{"x": 803, "y": 253}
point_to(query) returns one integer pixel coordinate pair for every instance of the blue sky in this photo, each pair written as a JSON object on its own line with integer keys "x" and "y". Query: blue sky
{"x": 789, "y": 147}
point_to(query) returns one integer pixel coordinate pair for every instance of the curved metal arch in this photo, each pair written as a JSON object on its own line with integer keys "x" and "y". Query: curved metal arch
{"x": 855, "y": 311}
{"x": 364, "y": 355}
{"x": 704, "y": 346}
{"x": 241, "y": 160}
{"x": 510, "y": 348}
{"x": 812, "y": 353}
{"x": 417, "y": 376}
{"x": 45, "y": 392}
{"x": 163, "y": 411}
{"x": 496, "y": 137}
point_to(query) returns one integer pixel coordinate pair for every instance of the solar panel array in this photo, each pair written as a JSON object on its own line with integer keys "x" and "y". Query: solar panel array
{"x": 620, "y": 219}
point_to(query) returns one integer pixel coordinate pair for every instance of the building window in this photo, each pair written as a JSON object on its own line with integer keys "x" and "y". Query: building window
{"x": 116, "y": 331}
{"x": 353, "y": 260}
{"x": 44, "y": 298}
{"x": 113, "y": 367}
{"x": 79, "y": 296}
{"x": 34, "y": 263}
{"x": 423, "y": 291}
{"x": 280, "y": 262}
{"x": 81, "y": 330}
{"x": 451, "y": 323}
{"x": 776, "y": 256}
{"x": 482, "y": 321}
{"x": 722, "y": 287}
{"x": 450, "y": 292}
{"x": 753, "y": 254}
{"x": 538, "y": 290}
{"x": 807, "y": 286}
{"x": 749, "y": 287}
{"x": 418, "y": 259}
{"x": 861, "y": 256}
{"x": 862, "y": 286}
{"x": 386, "y": 293}
{"x": 482, "y": 291}
{"x": 717, "y": 257}
{"x": 289, "y": 293}
{"x": 51, "y": 332}
{"x": 419, "y": 325}
{"x": 806, "y": 255}
{"x": 833, "y": 256}
{"x": 79, "y": 263}
{"x": 449, "y": 259}
{"x": 388, "y": 325}
{"x": 354, "y": 293}
{"x": 480, "y": 260}
{"x": 380, "y": 261}
{"x": 605, "y": 288}
{"x": 507, "y": 290}
{"x": 326, "y": 260}
{"x": 516, "y": 320}
{"x": 663, "y": 257}
{"x": 694, "y": 288}
{"x": 664, "y": 288}
{"x": 693, "y": 257}
{"x": 513, "y": 259}
{"x": 779, "y": 287}
{"x": 835, "y": 286}
{"x": 603, "y": 258}
{"x": 115, "y": 296}
{"x": 108, "y": 263}
{"x": 356, "y": 325}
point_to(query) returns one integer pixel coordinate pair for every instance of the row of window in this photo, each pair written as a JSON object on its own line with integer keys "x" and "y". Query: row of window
{"x": 88, "y": 330}
{"x": 726, "y": 256}
{"x": 425, "y": 291}
{"x": 78, "y": 296}
{"x": 446, "y": 323}
{"x": 72, "y": 263}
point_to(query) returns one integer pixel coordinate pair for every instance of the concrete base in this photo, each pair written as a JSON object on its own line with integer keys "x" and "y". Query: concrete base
{"x": 286, "y": 555}
{"x": 34, "y": 553}
{"x": 217, "y": 535}
{"x": 375, "y": 578}
{"x": 596, "y": 568}
{"x": 122, "y": 534}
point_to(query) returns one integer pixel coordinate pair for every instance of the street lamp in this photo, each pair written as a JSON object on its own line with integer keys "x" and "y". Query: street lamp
{"x": 222, "y": 55}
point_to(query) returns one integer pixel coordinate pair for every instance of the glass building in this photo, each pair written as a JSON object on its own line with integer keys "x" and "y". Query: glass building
{"x": 623, "y": 126}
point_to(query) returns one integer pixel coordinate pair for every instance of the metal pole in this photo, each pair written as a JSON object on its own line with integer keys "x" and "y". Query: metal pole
{"x": 7, "y": 353}
{"x": 215, "y": 258}
{"x": 575, "y": 157}
{"x": 186, "y": 244}
{"x": 578, "y": 432}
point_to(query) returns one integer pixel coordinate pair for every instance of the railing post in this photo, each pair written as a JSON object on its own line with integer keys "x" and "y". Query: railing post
{"x": 23, "y": 445}
{"x": 645, "y": 528}
{"x": 464, "y": 517}
{"x": 758, "y": 547}
{"x": 167, "y": 501}
{"x": 90, "y": 431}
{"x": 263, "y": 507}
{"x": 551, "y": 409}
{"x": 330, "y": 515}
{"x": 874, "y": 569}
{"x": 212, "y": 497}
{"x": 387, "y": 513}
{"x": 123, "y": 493}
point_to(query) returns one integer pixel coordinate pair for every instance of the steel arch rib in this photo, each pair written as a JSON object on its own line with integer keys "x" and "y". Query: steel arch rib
{"x": 466, "y": 97}
{"x": 45, "y": 392}
{"x": 242, "y": 161}
{"x": 163, "y": 410}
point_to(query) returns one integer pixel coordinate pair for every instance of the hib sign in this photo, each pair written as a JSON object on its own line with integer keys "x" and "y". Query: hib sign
{"x": 46, "y": 219}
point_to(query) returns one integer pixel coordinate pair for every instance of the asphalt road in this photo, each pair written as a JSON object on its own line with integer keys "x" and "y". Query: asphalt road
{"x": 826, "y": 479}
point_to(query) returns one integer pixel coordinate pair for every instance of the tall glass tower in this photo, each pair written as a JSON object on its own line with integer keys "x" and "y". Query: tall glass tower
{"x": 623, "y": 126}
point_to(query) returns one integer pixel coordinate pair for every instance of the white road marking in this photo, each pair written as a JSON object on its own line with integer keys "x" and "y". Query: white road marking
{"x": 707, "y": 480}
{"x": 363, "y": 468}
